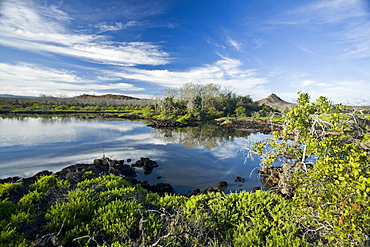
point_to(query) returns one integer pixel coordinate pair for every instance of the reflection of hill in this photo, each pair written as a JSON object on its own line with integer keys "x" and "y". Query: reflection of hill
{"x": 208, "y": 136}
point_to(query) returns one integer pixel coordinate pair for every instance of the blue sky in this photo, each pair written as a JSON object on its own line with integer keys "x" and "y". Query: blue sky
{"x": 142, "y": 47}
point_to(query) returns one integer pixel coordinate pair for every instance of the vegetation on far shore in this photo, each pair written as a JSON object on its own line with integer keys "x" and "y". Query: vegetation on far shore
{"x": 322, "y": 159}
{"x": 192, "y": 102}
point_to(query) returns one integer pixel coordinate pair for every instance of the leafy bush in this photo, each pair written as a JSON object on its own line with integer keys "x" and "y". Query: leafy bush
{"x": 118, "y": 219}
{"x": 245, "y": 219}
{"x": 45, "y": 183}
{"x": 332, "y": 198}
{"x": 7, "y": 188}
{"x": 87, "y": 174}
{"x": 241, "y": 112}
{"x": 33, "y": 197}
{"x": 10, "y": 237}
{"x": 337, "y": 192}
{"x": 104, "y": 182}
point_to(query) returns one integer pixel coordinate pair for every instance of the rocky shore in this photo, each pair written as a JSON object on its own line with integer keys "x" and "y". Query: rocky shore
{"x": 104, "y": 166}
{"x": 123, "y": 168}
{"x": 251, "y": 125}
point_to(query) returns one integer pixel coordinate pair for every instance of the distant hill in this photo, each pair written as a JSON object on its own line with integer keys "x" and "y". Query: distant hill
{"x": 107, "y": 99}
{"x": 107, "y": 96}
{"x": 14, "y": 96}
{"x": 276, "y": 102}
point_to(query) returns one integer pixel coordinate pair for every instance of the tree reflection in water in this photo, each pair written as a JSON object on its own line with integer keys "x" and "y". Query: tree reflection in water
{"x": 208, "y": 136}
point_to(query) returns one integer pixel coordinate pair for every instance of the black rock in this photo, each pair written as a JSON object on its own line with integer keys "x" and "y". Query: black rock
{"x": 162, "y": 188}
{"x": 222, "y": 185}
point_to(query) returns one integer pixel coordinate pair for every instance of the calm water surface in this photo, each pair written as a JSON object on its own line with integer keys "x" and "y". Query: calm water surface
{"x": 188, "y": 158}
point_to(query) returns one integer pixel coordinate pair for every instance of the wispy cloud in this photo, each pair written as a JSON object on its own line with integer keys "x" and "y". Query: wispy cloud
{"x": 323, "y": 12}
{"x": 105, "y": 27}
{"x": 347, "y": 23}
{"x": 33, "y": 80}
{"x": 235, "y": 44}
{"x": 339, "y": 91}
{"x": 332, "y": 11}
{"x": 306, "y": 83}
{"x": 226, "y": 72}
{"x": 27, "y": 26}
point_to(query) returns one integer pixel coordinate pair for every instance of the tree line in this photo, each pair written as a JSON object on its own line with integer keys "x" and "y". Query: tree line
{"x": 190, "y": 102}
{"x": 202, "y": 102}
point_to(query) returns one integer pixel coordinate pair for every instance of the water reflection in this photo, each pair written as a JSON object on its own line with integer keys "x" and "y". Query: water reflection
{"x": 188, "y": 158}
{"x": 208, "y": 136}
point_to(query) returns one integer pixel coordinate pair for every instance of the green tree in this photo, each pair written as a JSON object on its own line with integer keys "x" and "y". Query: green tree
{"x": 241, "y": 112}
{"x": 331, "y": 198}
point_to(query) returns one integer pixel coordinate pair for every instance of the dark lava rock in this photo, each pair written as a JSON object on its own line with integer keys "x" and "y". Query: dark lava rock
{"x": 161, "y": 123}
{"x": 239, "y": 180}
{"x": 147, "y": 165}
{"x": 257, "y": 188}
{"x": 103, "y": 166}
{"x": 222, "y": 185}
{"x": 193, "y": 193}
{"x": 9, "y": 180}
{"x": 161, "y": 188}
{"x": 210, "y": 189}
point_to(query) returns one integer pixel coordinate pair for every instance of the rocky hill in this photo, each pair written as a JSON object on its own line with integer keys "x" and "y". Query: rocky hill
{"x": 276, "y": 102}
{"x": 107, "y": 96}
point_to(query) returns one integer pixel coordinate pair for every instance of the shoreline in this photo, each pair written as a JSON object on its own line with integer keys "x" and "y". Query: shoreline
{"x": 244, "y": 124}
{"x": 123, "y": 168}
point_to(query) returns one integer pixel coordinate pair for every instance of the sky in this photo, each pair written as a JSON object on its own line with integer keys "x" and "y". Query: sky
{"x": 140, "y": 48}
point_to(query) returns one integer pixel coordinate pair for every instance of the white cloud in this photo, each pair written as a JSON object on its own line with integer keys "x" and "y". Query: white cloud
{"x": 323, "y": 84}
{"x": 226, "y": 72}
{"x": 258, "y": 43}
{"x": 306, "y": 83}
{"x": 104, "y": 27}
{"x": 345, "y": 92}
{"x": 235, "y": 44}
{"x": 332, "y": 11}
{"x": 32, "y": 80}
{"x": 27, "y": 26}
{"x": 347, "y": 22}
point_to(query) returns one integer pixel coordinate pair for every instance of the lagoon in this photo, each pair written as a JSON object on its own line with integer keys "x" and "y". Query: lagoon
{"x": 188, "y": 158}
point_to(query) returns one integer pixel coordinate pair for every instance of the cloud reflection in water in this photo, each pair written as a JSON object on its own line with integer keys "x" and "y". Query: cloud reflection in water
{"x": 188, "y": 158}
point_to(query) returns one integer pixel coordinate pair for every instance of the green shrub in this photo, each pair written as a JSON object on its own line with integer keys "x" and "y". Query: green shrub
{"x": 87, "y": 174}
{"x": 33, "y": 197}
{"x": 22, "y": 217}
{"x": 250, "y": 219}
{"x": 45, "y": 183}
{"x": 118, "y": 219}
{"x": 104, "y": 182}
{"x": 74, "y": 215}
{"x": 331, "y": 199}
{"x": 241, "y": 112}
{"x": 6, "y": 209}
{"x": 10, "y": 237}
{"x": 334, "y": 197}
{"x": 7, "y": 188}
{"x": 79, "y": 208}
